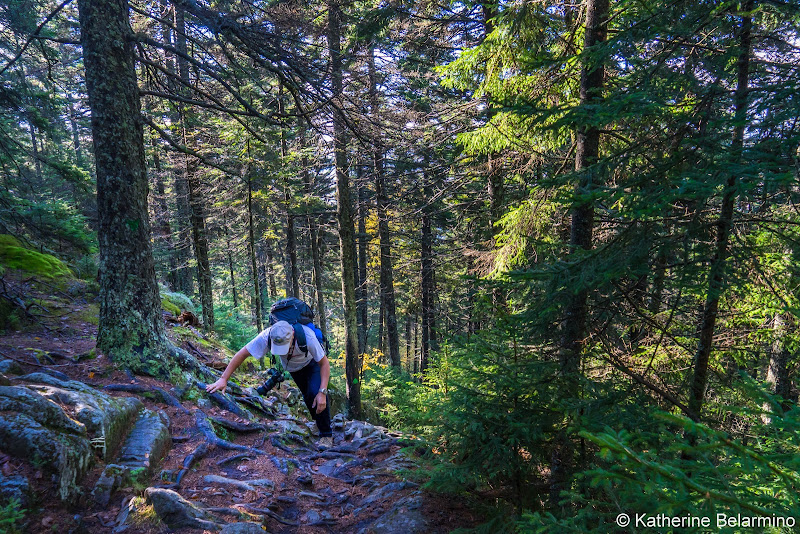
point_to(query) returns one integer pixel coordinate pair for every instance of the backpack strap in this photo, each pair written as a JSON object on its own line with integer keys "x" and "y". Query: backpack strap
{"x": 300, "y": 337}
{"x": 269, "y": 350}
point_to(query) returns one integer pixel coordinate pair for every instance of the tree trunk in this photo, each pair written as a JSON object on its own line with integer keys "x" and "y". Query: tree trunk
{"x": 251, "y": 246}
{"x": 779, "y": 356}
{"x": 495, "y": 183}
{"x": 293, "y": 283}
{"x": 183, "y": 245}
{"x": 408, "y": 341}
{"x": 386, "y": 270}
{"x": 162, "y": 221}
{"x": 200, "y": 240}
{"x": 230, "y": 266}
{"x": 361, "y": 271}
{"x": 196, "y": 204}
{"x": 716, "y": 279}
{"x": 313, "y": 240}
{"x": 344, "y": 216}
{"x": 76, "y": 139}
{"x": 262, "y": 278}
{"x": 427, "y": 287}
{"x": 273, "y": 286}
{"x": 416, "y": 349}
{"x": 131, "y": 329}
{"x": 582, "y": 221}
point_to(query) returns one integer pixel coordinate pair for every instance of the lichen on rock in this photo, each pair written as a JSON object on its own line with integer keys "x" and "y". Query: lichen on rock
{"x": 106, "y": 418}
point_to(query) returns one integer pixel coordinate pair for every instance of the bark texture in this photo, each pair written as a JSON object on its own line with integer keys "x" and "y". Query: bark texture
{"x": 131, "y": 329}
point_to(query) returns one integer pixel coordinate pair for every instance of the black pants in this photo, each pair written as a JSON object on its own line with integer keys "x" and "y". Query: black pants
{"x": 308, "y": 379}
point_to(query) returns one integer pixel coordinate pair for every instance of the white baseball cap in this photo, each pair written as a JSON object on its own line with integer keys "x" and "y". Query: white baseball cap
{"x": 281, "y": 336}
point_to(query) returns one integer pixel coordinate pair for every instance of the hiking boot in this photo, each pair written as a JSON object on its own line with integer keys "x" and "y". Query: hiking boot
{"x": 325, "y": 443}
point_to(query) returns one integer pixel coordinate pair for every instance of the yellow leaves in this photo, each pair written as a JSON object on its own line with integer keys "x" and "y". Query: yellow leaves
{"x": 373, "y": 360}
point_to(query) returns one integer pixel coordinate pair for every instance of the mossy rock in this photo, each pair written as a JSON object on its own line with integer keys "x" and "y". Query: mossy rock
{"x": 172, "y": 301}
{"x": 14, "y": 256}
{"x": 37, "y": 430}
{"x": 107, "y": 419}
{"x": 187, "y": 334}
{"x": 170, "y": 307}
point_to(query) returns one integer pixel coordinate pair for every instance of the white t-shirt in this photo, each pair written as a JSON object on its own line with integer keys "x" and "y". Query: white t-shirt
{"x": 258, "y": 348}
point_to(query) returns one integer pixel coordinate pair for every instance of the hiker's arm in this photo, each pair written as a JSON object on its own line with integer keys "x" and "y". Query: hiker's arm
{"x": 321, "y": 400}
{"x": 235, "y": 362}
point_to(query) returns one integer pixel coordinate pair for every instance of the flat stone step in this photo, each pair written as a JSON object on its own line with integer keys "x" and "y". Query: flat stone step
{"x": 146, "y": 445}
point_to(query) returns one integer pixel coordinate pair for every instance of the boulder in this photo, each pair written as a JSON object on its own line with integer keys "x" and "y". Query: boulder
{"x": 384, "y": 493}
{"x": 10, "y": 367}
{"x": 314, "y": 517}
{"x": 177, "y": 512}
{"x": 37, "y": 430}
{"x": 405, "y": 517}
{"x": 106, "y": 418}
{"x": 14, "y": 487}
{"x": 360, "y": 429}
{"x": 287, "y": 426}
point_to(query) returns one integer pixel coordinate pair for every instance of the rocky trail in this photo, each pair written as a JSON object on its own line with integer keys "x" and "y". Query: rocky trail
{"x": 85, "y": 447}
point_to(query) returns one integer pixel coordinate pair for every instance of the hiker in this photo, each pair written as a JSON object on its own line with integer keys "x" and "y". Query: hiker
{"x": 306, "y": 361}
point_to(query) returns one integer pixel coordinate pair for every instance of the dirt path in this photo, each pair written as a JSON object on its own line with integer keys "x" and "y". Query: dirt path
{"x": 345, "y": 490}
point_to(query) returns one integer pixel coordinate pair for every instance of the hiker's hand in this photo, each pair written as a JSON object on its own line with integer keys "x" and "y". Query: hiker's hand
{"x": 320, "y": 402}
{"x": 219, "y": 385}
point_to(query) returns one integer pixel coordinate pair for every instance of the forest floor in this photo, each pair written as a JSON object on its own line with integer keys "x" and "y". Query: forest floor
{"x": 334, "y": 500}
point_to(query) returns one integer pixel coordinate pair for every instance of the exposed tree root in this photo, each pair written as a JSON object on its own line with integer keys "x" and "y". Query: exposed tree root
{"x": 275, "y": 440}
{"x": 273, "y": 515}
{"x": 195, "y": 456}
{"x": 204, "y": 425}
{"x": 237, "y": 427}
{"x": 165, "y": 396}
{"x": 224, "y": 401}
{"x": 235, "y": 458}
{"x": 329, "y": 455}
{"x": 31, "y": 363}
{"x": 211, "y": 441}
{"x": 197, "y": 351}
{"x": 256, "y": 403}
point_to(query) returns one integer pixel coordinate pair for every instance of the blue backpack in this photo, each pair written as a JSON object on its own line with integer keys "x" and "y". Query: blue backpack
{"x": 298, "y": 314}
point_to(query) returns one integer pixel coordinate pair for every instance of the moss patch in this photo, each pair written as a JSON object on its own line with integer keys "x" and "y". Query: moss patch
{"x": 170, "y": 307}
{"x": 14, "y": 256}
{"x": 186, "y": 334}
{"x": 90, "y": 315}
{"x": 143, "y": 515}
{"x": 177, "y": 301}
